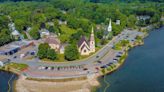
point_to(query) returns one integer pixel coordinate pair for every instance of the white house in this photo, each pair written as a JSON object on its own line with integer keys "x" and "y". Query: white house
{"x": 86, "y": 47}
{"x": 61, "y": 22}
{"x": 16, "y": 34}
{"x": 118, "y": 22}
{"x": 62, "y": 49}
{"x": 11, "y": 26}
{"x": 44, "y": 33}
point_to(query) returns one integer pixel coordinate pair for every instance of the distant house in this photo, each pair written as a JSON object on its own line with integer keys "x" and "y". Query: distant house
{"x": 55, "y": 44}
{"x": 16, "y": 34}
{"x": 11, "y": 26}
{"x": 108, "y": 30}
{"x": 86, "y": 47}
{"x": 61, "y": 22}
{"x": 143, "y": 17}
{"x": 44, "y": 33}
{"x": 118, "y": 22}
{"x": 4, "y": 62}
{"x": 50, "y": 23}
{"x": 62, "y": 49}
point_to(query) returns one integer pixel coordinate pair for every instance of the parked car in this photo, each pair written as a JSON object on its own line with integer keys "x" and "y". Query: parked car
{"x": 15, "y": 57}
{"x": 109, "y": 64}
{"x": 32, "y": 53}
{"x": 118, "y": 55}
{"x": 99, "y": 62}
{"x": 104, "y": 66}
{"x": 85, "y": 69}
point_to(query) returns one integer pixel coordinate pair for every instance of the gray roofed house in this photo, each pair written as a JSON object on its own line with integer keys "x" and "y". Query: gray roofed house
{"x": 53, "y": 42}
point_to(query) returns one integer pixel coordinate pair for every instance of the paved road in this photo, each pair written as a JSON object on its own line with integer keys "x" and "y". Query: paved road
{"x": 106, "y": 55}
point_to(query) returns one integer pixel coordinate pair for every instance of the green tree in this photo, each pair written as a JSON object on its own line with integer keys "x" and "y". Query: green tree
{"x": 71, "y": 53}
{"x": 116, "y": 29}
{"x": 34, "y": 32}
{"x": 51, "y": 54}
{"x": 5, "y": 37}
{"x": 124, "y": 42}
{"x": 131, "y": 21}
{"x": 43, "y": 50}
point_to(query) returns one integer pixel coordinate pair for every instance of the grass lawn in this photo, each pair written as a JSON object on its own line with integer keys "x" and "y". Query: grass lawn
{"x": 17, "y": 66}
{"x": 60, "y": 58}
{"x": 118, "y": 46}
{"x": 66, "y": 33}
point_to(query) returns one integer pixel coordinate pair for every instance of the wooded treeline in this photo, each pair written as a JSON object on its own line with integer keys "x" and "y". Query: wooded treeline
{"x": 79, "y": 15}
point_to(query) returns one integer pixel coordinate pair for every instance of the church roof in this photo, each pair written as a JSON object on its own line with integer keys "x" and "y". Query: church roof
{"x": 84, "y": 45}
{"x": 81, "y": 41}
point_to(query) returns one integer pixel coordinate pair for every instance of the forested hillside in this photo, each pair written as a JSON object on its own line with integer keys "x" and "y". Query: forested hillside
{"x": 95, "y": 0}
{"x": 79, "y": 15}
{"x": 127, "y": 1}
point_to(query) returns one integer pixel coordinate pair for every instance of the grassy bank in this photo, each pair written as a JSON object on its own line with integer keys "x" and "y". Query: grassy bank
{"x": 58, "y": 80}
{"x": 14, "y": 68}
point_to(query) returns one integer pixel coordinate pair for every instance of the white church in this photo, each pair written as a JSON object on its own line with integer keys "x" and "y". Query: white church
{"x": 86, "y": 47}
{"x": 108, "y": 30}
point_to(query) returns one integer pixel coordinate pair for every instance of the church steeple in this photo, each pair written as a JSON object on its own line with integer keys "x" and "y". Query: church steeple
{"x": 110, "y": 26}
{"x": 92, "y": 41}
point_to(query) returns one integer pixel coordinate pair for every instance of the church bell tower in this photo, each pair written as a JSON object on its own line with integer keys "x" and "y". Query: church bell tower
{"x": 92, "y": 41}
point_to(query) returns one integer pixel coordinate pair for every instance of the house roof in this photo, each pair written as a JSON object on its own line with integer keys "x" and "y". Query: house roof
{"x": 15, "y": 32}
{"x": 81, "y": 41}
{"x": 52, "y": 40}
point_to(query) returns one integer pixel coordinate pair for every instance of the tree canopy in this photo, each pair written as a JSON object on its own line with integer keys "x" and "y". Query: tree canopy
{"x": 78, "y": 15}
{"x": 71, "y": 53}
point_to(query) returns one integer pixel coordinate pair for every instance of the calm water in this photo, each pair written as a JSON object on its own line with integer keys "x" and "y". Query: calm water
{"x": 4, "y": 78}
{"x": 143, "y": 71}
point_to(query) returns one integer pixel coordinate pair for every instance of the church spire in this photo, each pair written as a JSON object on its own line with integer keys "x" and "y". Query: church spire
{"x": 110, "y": 26}
{"x": 92, "y": 31}
{"x": 92, "y": 41}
